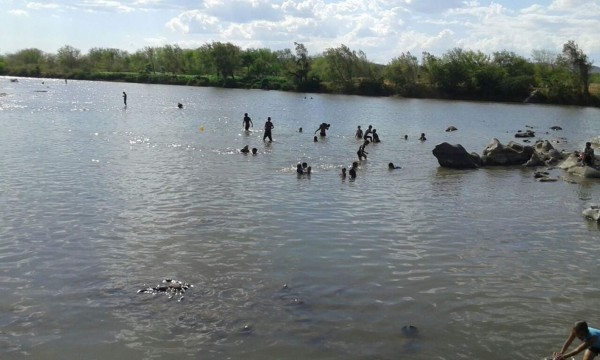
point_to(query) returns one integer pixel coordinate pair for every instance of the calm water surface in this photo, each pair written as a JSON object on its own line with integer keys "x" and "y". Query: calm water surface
{"x": 98, "y": 201}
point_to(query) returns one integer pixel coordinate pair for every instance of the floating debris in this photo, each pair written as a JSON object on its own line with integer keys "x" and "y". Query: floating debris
{"x": 169, "y": 287}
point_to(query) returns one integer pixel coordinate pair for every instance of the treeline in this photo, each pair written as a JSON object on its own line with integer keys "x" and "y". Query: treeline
{"x": 563, "y": 78}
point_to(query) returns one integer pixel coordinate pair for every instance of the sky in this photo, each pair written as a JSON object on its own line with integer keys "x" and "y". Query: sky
{"x": 382, "y": 29}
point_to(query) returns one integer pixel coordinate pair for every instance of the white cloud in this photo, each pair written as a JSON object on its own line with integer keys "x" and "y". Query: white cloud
{"x": 40, "y": 6}
{"x": 105, "y": 6}
{"x": 195, "y": 22}
{"x": 383, "y": 29}
{"x": 18, "y": 12}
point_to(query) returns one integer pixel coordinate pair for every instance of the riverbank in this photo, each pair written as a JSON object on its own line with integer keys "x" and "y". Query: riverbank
{"x": 418, "y": 91}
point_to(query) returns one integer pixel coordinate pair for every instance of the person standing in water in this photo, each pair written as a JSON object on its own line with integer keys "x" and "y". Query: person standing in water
{"x": 268, "y": 127}
{"x": 359, "y": 133}
{"x": 247, "y": 122}
{"x": 368, "y": 133}
{"x": 125, "y": 98}
{"x": 361, "y": 151}
{"x": 322, "y": 128}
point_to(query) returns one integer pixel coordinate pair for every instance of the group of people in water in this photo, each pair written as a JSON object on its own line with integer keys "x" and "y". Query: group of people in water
{"x": 247, "y": 124}
{"x": 367, "y": 137}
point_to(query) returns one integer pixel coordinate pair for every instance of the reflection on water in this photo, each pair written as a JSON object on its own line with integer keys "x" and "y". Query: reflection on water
{"x": 98, "y": 201}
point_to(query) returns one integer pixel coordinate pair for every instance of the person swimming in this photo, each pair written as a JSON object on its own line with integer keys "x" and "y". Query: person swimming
{"x": 254, "y": 151}
{"x": 391, "y": 166}
{"x": 245, "y": 149}
{"x": 422, "y": 138}
{"x": 315, "y": 139}
{"x": 299, "y": 169}
{"x": 180, "y": 105}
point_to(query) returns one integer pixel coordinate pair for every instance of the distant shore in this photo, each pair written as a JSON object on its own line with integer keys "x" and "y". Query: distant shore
{"x": 422, "y": 91}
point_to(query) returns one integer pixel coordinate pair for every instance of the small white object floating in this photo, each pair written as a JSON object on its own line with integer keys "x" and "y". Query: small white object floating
{"x": 592, "y": 213}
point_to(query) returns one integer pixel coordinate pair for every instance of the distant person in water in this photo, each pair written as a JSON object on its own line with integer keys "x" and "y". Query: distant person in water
{"x": 391, "y": 166}
{"x": 361, "y": 151}
{"x": 180, "y": 105}
{"x": 352, "y": 173}
{"x": 299, "y": 169}
{"x": 405, "y": 137}
{"x": 375, "y": 136}
{"x": 254, "y": 151}
{"x": 308, "y": 170}
{"x": 247, "y": 122}
{"x": 315, "y": 139}
{"x": 368, "y": 133}
{"x": 268, "y": 127}
{"x": 343, "y": 174}
{"x": 304, "y": 166}
{"x": 422, "y": 138}
{"x": 322, "y": 129}
{"x": 245, "y": 149}
{"x": 300, "y": 130}
{"x": 125, "y": 98}
{"x": 359, "y": 133}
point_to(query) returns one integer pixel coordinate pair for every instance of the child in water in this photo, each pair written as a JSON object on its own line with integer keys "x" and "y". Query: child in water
{"x": 591, "y": 342}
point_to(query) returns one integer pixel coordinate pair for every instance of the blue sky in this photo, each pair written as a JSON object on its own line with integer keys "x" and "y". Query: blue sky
{"x": 382, "y": 29}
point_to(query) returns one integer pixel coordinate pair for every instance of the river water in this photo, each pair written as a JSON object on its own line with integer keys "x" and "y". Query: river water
{"x": 98, "y": 200}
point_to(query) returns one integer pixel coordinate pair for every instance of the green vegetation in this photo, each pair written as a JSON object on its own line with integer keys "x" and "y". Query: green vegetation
{"x": 564, "y": 78}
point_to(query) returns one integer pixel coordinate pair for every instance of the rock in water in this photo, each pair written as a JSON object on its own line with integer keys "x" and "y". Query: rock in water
{"x": 455, "y": 156}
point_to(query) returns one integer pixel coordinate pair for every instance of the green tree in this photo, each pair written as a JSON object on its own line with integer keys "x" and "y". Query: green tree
{"x": 169, "y": 58}
{"x": 27, "y": 62}
{"x": 2, "y": 64}
{"x": 107, "y": 59}
{"x": 296, "y": 67}
{"x": 459, "y": 72}
{"x": 346, "y": 70}
{"x": 260, "y": 63}
{"x": 579, "y": 65}
{"x": 518, "y": 80}
{"x": 69, "y": 58}
{"x": 403, "y": 72}
{"x": 226, "y": 58}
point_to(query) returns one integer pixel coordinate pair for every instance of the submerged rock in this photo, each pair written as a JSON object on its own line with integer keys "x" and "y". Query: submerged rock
{"x": 592, "y": 213}
{"x": 169, "y": 287}
{"x": 525, "y": 134}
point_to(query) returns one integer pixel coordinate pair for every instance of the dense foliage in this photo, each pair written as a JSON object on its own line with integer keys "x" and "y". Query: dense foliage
{"x": 564, "y": 78}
